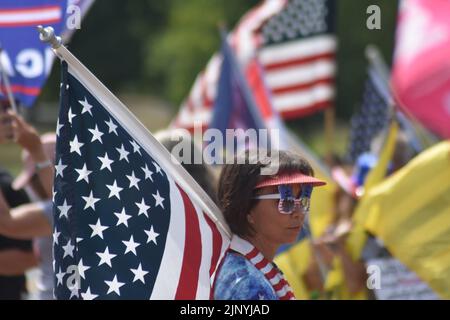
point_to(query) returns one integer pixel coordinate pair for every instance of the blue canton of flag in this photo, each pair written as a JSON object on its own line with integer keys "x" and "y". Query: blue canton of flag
{"x": 122, "y": 225}
{"x": 369, "y": 121}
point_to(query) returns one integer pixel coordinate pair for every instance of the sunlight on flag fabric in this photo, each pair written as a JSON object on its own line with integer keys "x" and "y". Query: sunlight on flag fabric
{"x": 124, "y": 227}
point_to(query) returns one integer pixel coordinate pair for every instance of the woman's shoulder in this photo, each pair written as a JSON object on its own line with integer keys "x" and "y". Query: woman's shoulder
{"x": 239, "y": 279}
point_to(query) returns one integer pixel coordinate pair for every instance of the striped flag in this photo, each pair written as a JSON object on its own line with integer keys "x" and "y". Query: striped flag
{"x": 128, "y": 222}
{"x": 294, "y": 41}
{"x": 298, "y": 55}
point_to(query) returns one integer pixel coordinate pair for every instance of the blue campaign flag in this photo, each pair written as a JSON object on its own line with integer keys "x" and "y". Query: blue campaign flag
{"x": 25, "y": 59}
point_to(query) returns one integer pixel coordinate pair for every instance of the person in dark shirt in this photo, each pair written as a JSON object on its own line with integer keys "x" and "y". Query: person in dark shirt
{"x": 16, "y": 256}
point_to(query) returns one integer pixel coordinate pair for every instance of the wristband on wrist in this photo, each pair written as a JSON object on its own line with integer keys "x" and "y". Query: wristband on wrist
{"x": 41, "y": 165}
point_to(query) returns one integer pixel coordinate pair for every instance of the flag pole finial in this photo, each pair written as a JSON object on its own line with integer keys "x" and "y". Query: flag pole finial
{"x": 48, "y": 35}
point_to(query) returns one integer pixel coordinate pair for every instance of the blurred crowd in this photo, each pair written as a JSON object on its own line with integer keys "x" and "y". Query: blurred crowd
{"x": 26, "y": 214}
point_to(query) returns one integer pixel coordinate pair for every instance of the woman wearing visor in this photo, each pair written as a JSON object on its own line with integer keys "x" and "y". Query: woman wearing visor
{"x": 263, "y": 212}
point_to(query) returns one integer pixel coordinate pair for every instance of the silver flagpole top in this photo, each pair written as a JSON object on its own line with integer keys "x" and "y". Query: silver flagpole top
{"x": 48, "y": 35}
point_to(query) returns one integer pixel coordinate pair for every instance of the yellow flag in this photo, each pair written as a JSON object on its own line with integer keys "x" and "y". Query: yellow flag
{"x": 335, "y": 282}
{"x": 358, "y": 237}
{"x": 322, "y": 205}
{"x": 410, "y": 212}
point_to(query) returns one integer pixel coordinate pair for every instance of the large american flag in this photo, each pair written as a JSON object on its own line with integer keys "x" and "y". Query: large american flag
{"x": 124, "y": 228}
{"x": 295, "y": 42}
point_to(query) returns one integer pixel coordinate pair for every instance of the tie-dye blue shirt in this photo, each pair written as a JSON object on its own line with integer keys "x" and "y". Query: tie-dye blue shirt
{"x": 239, "y": 279}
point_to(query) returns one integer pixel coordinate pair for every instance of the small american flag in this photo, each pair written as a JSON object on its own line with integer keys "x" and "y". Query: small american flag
{"x": 370, "y": 120}
{"x": 294, "y": 42}
{"x": 123, "y": 227}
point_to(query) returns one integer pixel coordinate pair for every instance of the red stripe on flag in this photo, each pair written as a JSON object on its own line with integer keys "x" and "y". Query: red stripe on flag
{"x": 299, "y": 61}
{"x": 29, "y": 10}
{"x": 255, "y": 79}
{"x": 31, "y": 91}
{"x": 302, "y": 86}
{"x": 188, "y": 283}
{"x": 217, "y": 244}
{"x": 30, "y": 23}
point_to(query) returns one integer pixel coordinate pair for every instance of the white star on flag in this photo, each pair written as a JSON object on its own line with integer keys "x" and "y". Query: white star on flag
{"x": 122, "y": 218}
{"x": 90, "y": 201}
{"x": 97, "y": 229}
{"x": 96, "y": 134}
{"x": 143, "y": 208}
{"x": 71, "y": 116}
{"x": 136, "y": 147}
{"x": 133, "y": 180}
{"x": 148, "y": 173}
{"x": 158, "y": 199}
{"x": 64, "y": 210}
{"x": 86, "y": 106}
{"x": 114, "y": 285}
{"x": 75, "y": 145}
{"x": 131, "y": 246}
{"x": 105, "y": 257}
{"x": 82, "y": 268}
{"x": 139, "y": 274}
{"x": 106, "y": 162}
{"x": 151, "y": 234}
{"x": 60, "y": 168}
{"x": 68, "y": 249}
{"x": 157, "y": 168}
{"x": 123, "y": 153}
{"x": 56, "y": 237}
{"x": 60, "y": 277}
{"x": 88, "y": 295}
{"x": 83, "y": 174}
{"x": 114, "y": 190}
{"x": 111, "y": 127}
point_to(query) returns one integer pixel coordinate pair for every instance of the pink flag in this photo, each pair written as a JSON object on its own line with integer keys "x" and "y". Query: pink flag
{"x": 421, "y": 73}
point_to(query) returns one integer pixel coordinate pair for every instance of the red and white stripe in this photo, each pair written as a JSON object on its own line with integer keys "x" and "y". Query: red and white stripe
{"x": 197, "y": 108}
{"x": 30, "y": 16}
{"x": 194, "y": 247}
{"x": 246, "y": 38}
{"x": 32, "y": 91}
{"x": 281, "y": 287}
{"x": 300, "y": 74}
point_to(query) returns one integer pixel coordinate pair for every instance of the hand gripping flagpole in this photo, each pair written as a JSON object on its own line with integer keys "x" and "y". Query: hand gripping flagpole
{"x": 140, "y": 133}
{"x": 7, "y": 85}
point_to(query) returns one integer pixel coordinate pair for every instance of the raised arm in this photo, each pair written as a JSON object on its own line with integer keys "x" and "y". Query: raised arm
{"x": 24, "y": 222}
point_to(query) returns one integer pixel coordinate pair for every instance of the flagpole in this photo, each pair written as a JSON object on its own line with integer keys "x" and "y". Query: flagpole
{"x": 140, "y": 133}
{"x": 329, "y": 114}
{"x": 7, "y": 84}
